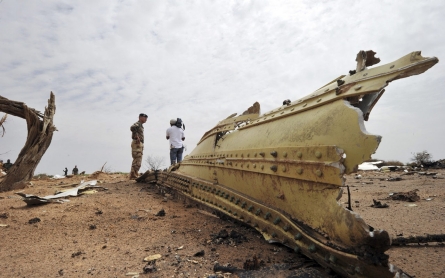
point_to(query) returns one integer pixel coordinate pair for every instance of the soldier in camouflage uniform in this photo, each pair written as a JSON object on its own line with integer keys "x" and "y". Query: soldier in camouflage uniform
{"x": 137, "y": 145}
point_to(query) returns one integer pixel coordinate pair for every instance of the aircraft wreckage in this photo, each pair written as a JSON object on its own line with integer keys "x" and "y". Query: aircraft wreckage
{"x": 282, "y": 172}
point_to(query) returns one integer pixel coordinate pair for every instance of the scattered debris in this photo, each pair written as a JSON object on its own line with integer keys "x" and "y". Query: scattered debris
{"x": 4, "y": 215}
{"x": 427, "y": 173}
{"x": 224, "y": 237}
{"x": 160, "y": 213}
{"x": 4, "y": 225}
{"x": 378, "y": 204}
{"x": 34, "y": 220}
{"x": 411, "y": 205}
{"x": 37, "y": 200}
{"x": 134, "y": 274}
{"x": 388, "y": 168}
{"x": 150, "y": 267}
{"x": 394, "y": 179}
{"x": 410, "y": 196}
{"x": 229, "y": 269}
{"x": 418, "y": 239}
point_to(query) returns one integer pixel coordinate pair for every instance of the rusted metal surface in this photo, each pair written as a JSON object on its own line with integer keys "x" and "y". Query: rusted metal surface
{"x": 282, "y": 172}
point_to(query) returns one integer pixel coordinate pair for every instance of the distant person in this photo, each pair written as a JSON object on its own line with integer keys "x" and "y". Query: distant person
{"x": 65, "y": 171}
{"x": 7, "y": 165}
{"x": 137, "y": 145}
{"x": 75, "y": 170}
{"x": 175, "y": 134}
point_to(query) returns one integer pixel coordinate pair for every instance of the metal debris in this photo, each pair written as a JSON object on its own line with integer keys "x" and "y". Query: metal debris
{"x": 37, "y": 200}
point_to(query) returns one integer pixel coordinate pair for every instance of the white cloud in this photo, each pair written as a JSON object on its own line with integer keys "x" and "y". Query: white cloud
{"x": 201, "y": 61}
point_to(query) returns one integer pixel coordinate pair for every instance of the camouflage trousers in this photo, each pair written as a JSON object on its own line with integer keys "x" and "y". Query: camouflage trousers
{"x": 136, "y": 153}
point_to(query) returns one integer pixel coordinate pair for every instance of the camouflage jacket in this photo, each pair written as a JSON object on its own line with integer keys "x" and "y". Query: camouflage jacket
{"x": 137, "y": 129}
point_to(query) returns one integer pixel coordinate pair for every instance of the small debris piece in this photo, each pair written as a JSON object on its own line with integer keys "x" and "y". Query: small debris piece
{"x": 394, "y": 179}
{"x": 99, "y": 212}
{"x": 193, "y": 261}
{"x": 410, "y": 196}
{"x": 160, "y": 213}
{"x": 4, "y": 215}
{"x": 92, "y": 226}
{"x": 411, "y": 205}
{"x": 180, "y": 247}
{"x": 378, "y": 204}
{"x": 4, "y": 225}
{"x": 199, "y": 254}
{"x": 60, "y": 272}
{"x": 34, "y": 220}
{"x": 150, "y": 267}
{"x": 132, "y": 274}
{"x": 152, "y": 257}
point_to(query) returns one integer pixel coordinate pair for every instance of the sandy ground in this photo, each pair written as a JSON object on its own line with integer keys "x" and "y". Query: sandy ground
{"x": 110, "y": 232}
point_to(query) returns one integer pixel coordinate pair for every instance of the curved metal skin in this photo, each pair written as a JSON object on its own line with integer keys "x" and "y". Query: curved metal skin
{"x": 281, "y": 172}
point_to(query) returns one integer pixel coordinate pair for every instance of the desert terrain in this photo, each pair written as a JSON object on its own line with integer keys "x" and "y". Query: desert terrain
{"x": 110, "y": 231}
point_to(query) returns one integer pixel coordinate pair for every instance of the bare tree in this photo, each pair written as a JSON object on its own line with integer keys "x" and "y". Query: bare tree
{"x": 40, "y": 133}
{"x": 421, "y": 157}
{"x": 154, "y": 162}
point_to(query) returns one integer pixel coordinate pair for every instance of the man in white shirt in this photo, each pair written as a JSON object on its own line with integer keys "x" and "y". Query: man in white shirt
{"x": 175, "y": 134}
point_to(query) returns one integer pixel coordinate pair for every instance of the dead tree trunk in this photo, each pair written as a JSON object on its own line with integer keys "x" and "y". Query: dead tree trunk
{"x": 40, "y": 133}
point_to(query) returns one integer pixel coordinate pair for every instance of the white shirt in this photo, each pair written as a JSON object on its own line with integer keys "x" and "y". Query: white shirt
{"x": 176, "y": 134}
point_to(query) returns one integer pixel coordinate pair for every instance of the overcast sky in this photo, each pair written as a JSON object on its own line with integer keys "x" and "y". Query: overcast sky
{"x": 107, "y": 61}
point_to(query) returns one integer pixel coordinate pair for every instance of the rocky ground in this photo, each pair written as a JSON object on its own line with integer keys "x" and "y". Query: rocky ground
{"x": 110, "y": 232}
